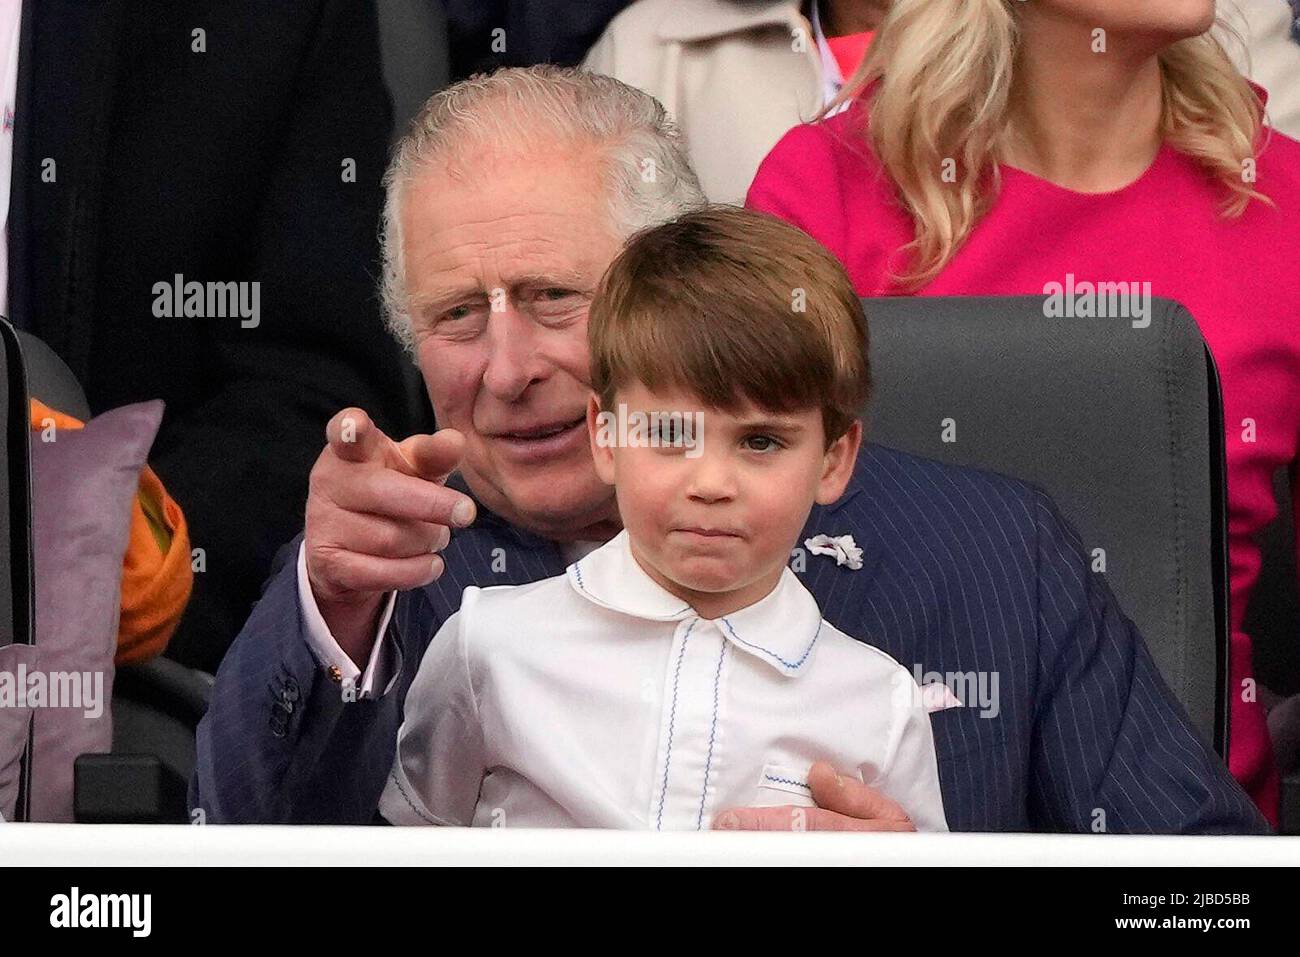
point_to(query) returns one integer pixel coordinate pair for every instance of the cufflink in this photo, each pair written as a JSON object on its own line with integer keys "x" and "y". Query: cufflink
{"x": 335, "y": 673}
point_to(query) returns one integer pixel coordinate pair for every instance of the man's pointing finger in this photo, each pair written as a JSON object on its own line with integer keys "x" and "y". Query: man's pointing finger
{"x": 353, "y": 436}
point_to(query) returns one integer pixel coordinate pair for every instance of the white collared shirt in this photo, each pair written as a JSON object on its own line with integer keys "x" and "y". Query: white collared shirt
{"x": 380, "y": 671}
{"x": 599, "y": 699}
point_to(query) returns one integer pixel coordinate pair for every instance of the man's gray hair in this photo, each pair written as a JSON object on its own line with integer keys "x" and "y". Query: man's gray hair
{"x": 648, "y": 175}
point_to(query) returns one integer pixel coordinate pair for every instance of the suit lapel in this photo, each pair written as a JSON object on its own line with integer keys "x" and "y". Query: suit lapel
{"x": 67, "y": 75}
{"x": 524, "y": 557}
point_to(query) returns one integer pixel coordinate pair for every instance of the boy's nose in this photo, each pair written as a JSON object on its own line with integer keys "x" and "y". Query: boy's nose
{"x": 712, "y": 480}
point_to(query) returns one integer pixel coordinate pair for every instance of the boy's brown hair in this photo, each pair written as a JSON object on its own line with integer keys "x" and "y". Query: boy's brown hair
{"x": 732, "y": 305}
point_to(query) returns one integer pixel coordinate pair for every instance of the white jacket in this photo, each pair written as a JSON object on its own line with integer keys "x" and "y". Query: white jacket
{"x": 735, "y": 76}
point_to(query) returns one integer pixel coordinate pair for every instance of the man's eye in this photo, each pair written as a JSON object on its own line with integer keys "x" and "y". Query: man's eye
{"x": 464, "y": 321}
{"x": 556, "y": 294}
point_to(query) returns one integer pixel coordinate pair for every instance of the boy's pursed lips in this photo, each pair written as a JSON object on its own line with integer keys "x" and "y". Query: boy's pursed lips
{"x": 707, "y": 532}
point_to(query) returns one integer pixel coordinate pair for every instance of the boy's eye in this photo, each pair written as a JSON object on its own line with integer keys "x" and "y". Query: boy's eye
{"x": 668, "y": 431}
{"x": 763, "y": 443}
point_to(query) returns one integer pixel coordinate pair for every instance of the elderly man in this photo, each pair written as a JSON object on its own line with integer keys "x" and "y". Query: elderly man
{"x": 505, "y": 203}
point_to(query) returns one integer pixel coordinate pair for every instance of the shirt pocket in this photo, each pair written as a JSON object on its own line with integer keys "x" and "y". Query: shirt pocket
{"x": 780, "y": 784}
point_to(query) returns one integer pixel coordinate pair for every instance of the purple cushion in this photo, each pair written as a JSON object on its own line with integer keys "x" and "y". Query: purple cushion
{"x": 13, "y": 726}
{"x": 83, "y": 484}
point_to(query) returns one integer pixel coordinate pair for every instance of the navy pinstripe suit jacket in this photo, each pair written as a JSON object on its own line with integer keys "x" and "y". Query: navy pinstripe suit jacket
{"x": 964, "y": 572}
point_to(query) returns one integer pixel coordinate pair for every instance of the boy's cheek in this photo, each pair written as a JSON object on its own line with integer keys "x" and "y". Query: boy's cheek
{"x": 647, "y": 489}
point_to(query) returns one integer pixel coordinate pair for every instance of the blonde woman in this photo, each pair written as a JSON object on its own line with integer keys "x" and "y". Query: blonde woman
{"x": 995, "y": 146}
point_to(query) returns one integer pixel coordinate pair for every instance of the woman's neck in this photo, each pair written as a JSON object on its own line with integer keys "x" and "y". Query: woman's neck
{"x": 1088, "y": 121}
{"x": 843, "y": 17}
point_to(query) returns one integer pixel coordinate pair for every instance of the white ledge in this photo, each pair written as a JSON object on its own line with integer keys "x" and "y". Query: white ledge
{"x": 82, "y": 845}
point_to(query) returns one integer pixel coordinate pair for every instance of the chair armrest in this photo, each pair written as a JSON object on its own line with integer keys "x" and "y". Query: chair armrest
{"x": 172, "y": 688}
{"x": 1290, "y": 813}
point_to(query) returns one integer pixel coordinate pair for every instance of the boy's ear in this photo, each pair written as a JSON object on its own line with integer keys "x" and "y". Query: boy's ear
{"x": 600, "y": 434}
{"x": 838, "y": 464}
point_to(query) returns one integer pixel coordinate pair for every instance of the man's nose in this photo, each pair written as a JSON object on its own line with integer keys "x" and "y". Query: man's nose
{"x": 514, "y": 359}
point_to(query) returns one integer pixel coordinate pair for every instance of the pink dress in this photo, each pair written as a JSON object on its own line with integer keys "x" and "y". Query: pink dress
{"x": 1239, "y": 278}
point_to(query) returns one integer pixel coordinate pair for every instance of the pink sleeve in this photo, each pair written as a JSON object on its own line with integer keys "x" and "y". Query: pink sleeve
{"x": 799, "y": 181}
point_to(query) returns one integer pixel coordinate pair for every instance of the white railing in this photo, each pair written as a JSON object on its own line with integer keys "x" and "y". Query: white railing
{"x": 133, "y": 845}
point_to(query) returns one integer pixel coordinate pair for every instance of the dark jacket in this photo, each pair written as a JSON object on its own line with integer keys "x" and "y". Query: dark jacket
{"x": 139, "y": 157}
{"x": 486, "y": 34}
{"x": 964, "y": 573}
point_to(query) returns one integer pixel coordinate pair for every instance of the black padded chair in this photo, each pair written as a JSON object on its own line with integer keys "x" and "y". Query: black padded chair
{"x": 1123, "y": 426}
{"x": 416, "y": 64}
{"x": 156, "y": 705}
{"x": 413, "y": 45}
{"x": 17, "y": 584}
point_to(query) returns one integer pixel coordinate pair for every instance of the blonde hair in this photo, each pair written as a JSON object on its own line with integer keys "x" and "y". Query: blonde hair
{"x": 939, "y": 78}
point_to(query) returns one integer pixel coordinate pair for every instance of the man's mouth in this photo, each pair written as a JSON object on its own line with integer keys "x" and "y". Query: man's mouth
{"x": 543, "y": 431}
{"x": 543, "y": 440}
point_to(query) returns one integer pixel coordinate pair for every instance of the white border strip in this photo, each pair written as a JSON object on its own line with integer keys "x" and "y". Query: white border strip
{"x": 83, "y": 845}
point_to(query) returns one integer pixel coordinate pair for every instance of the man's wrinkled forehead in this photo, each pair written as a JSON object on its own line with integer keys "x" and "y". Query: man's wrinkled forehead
{"x": 524, "y": 216}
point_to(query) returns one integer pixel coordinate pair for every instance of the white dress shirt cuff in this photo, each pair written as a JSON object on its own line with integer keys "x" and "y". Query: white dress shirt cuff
{"x": 379, "y": 671}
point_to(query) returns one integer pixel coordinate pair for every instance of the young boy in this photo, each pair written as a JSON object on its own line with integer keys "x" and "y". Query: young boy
{"x": 681, "y": 668}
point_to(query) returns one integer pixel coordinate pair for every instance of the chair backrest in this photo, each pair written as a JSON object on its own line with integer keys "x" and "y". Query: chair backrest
{"x": 413, "y": 46}
{"x": 1120, "y": 422}
{"x": 17, "y": 595}
{"x": 50, "y": 380}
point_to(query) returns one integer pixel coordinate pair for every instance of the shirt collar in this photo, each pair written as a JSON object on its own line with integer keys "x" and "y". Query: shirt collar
{"x": 713, "y": 20}
{"x": 780, "y": 629}
{"x": 832, "y": 77}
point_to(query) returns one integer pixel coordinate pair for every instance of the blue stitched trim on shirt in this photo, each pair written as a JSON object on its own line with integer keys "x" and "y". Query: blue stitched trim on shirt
{"x": 768, "y": 651}
{"x": 577, "y": 570}
{"x": 708, "y": 761}
{"x": 411, "y": 804}
{"x": 773, "y": 777}
{"x": 672, "y": 717}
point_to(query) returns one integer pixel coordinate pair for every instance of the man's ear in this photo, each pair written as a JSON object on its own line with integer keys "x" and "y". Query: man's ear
{"x": 837, "y": 467}
{"x": 601, "y": 432}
